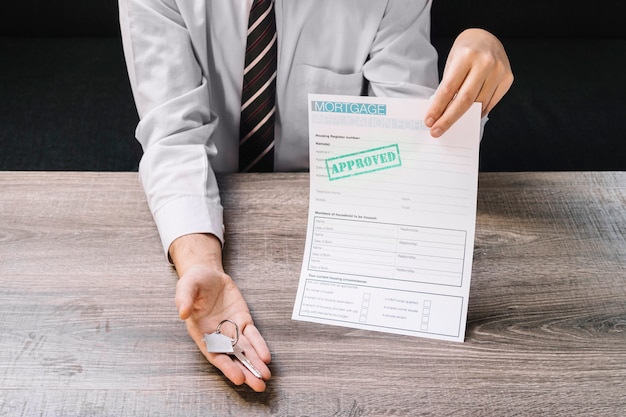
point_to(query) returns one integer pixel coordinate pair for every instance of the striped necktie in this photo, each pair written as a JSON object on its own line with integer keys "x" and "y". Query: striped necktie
{"x": 258, "y": 97}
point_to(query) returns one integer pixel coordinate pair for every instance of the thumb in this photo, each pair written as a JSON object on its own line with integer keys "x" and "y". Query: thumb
{"x": 185, "y": 293}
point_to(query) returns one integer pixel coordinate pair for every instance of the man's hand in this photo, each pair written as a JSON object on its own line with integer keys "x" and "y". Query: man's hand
{"x": 205, "y": 296}
{"x": 477, "y": 70}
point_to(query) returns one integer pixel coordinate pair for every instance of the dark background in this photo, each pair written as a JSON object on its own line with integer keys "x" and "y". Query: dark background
{"x": 65, "y": 100}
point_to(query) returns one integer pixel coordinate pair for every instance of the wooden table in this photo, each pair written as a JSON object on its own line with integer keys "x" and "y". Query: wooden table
{"x": 88, "y": 325}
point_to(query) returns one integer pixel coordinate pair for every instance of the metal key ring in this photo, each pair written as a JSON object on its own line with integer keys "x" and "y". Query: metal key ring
{"x": 219, "y": 327}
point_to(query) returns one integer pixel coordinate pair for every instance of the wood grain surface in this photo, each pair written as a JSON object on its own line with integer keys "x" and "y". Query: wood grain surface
{"x": 88, "y": 325}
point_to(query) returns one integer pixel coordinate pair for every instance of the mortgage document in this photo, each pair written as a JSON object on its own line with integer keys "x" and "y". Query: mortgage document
{"x": 392, "y": 214}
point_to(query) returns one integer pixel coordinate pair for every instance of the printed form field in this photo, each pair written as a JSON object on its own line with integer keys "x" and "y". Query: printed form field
{"x": 389, "y": 251}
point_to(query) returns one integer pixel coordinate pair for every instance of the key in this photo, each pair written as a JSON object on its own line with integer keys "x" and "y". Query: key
{"x": 218, "y": 343}
{"x": 238, "y": 353}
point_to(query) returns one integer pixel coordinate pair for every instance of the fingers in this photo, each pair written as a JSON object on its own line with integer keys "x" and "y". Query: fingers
{"x": 461, "y": 101}
{"x": 475, "y": 89}
{"x": 236, "y": 373}
{"x": 477, "y": 70}
{"x": 453, "y": 78}
{"x": 498, "y": 94}
{"x": 258, "y": 343}
{"x": 256, "y": 351}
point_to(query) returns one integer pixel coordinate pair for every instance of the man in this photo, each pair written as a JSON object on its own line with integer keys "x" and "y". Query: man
{"x": 185, "y": 61}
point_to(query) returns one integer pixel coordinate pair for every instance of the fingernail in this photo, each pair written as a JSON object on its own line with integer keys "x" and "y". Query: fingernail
{"x": 436, "y": 132}
{"x": 430, "y": 121}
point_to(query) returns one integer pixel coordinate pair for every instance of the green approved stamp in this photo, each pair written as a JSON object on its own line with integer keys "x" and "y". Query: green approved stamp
{"x": 363, "y": 162}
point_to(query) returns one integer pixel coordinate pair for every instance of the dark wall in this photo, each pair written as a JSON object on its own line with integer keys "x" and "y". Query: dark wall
{"x": 531, "y": 18}
{"x": 59, "y": 18}
{"x": 65, "y": 101}
{"x": 66, "y": 104}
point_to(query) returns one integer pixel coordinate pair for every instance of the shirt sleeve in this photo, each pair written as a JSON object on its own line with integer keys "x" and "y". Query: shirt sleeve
{"x": 402, "y": 60}
{"x": 176, "y": 122}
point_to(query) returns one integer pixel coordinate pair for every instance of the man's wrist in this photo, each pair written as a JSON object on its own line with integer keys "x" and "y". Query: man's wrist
{"x": 196, "y": 249}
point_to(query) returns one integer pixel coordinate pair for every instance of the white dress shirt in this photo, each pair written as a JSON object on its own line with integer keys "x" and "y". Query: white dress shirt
{"x": 185, "y": 61}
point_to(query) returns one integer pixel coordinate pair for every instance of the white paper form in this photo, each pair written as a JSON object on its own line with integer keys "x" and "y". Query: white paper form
{"x": 392, "y": 215}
